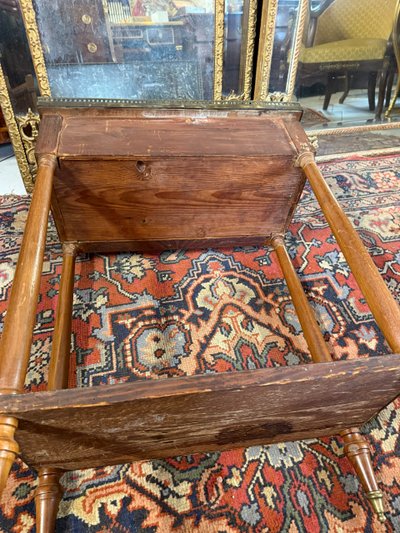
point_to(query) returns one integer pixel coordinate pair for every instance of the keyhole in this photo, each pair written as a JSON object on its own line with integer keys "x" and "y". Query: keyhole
{"x": 140, "y": 166}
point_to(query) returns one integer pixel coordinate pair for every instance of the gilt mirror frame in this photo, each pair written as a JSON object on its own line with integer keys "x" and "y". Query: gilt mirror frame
{"x": 253, "y": 70}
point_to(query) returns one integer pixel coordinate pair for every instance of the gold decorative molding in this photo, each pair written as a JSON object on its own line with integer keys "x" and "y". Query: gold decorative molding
{"x": 219, "y": 38}
{"x": 277, "y": 97}
{"x": 266, "y": 46}
{"x": 296, "y": 47}
{"x": 35, "y": 45}
{"x": 28, "y": 126}
{"x": 13, "y": 131}
{"x": 247, "y": 53}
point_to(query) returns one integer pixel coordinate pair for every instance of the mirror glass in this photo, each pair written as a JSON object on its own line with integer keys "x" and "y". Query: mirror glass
{"x": 283, "y": 44}
{"x": 347, "y": 65}
{"x": 234, "y": 55}
{"x": 129, "y": 49}
{"x": 15, "y": 59}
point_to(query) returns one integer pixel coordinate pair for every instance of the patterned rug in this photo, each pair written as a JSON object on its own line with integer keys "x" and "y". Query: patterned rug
{"x": 183, "y": 313}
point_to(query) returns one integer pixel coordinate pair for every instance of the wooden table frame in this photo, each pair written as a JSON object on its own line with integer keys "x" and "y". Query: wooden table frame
{"x": 157, "y": 419}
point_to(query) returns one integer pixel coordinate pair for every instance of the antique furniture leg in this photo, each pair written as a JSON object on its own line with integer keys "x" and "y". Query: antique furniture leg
{"x": 21, "y": 313}
{"x": 312, "y": 332}
{"x": 49, "y": 491}
{"x": 348, "y": 80}
{"x": 383, "y": 79}
{"x": 357, "y": 450}
{"x": 356, "y": 447}
{"x": 329, "y": 90}
{"x": 372, "y": 77}
{"x": 382, "y": 304}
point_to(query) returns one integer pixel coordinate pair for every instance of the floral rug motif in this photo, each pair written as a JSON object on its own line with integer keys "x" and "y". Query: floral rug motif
{"x": 183, "y": 313}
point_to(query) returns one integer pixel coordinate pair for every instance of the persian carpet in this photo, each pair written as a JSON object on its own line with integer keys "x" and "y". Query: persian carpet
{"x": 181, "y": 313}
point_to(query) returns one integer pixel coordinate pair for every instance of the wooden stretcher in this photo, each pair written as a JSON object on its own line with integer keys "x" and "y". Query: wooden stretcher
{"x": 137, "y": 179}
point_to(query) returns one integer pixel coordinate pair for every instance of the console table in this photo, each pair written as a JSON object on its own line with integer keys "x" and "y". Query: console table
{"x": 131, "y": 179}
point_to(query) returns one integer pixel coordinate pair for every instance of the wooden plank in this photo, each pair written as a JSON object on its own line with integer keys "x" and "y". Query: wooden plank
{"x": 196, "y": 136}
{"x": 175, "y": 198}
{"x": 103, "y": 425}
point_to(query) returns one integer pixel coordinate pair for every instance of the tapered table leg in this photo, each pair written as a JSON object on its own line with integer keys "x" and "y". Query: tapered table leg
{"x": 311, "y": 330}
{"x": 357, "y": 450}
{"x": 49, "y": 491}
{"x": 21, "y": 313}
{"x": 382, "y": 304}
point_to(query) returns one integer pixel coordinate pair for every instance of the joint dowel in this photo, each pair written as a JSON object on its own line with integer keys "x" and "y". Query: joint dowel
{"x": 21, "y": 312}
{"x": 380, "y": 300}
{"x": 311, "y": 330}
{"x": 61, "y": 345}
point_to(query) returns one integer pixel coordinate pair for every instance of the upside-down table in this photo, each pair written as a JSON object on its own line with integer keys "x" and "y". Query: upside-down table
{"x": 135, "y": 179}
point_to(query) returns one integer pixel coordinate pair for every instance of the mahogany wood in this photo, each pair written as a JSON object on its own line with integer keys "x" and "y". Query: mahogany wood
{"x": 18, "y": 325}
{"x": 103, "y": 425}
{"x": 16, "y": 339}
{"x": 311, "y": 330}
{"x": 61, "y": 345}
{"x": 48, "y": 495}
{"x": 381, "y": 302}
{"x": 49, "y": 491}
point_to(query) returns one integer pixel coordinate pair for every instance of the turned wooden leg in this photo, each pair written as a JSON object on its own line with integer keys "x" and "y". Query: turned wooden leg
{"x": 381, "y": 302}
{"x": 47, "y": 498}
{"x": 357, "y": 450}
{"x": 311, "y": 330}
{"x": 49, "y": 491}
{"x": 21, "y": 313}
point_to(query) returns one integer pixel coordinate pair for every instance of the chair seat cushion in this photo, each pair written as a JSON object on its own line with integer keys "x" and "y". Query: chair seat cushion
{"x": 346, "y": 50}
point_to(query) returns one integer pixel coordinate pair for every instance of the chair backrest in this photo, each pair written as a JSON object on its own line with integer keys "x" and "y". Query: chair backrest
{"x": 355, "y": 19}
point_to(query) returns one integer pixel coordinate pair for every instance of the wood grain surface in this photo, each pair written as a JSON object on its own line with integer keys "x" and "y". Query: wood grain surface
{"x": 165, "y": 178}
{"x": 103, "y": 425}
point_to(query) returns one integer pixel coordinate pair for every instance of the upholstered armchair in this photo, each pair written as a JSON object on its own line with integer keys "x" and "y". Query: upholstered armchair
{"x": 344, "y": 38}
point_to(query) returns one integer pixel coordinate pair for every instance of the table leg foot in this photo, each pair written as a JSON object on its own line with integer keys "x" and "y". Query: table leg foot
{"x": 47, "y": 498}
{"x": 357, "y": 450}
{"x": 9, "y": 448}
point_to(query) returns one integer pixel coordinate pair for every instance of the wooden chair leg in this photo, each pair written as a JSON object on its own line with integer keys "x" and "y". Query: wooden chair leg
{"x": 394, "y": 98}
{"x": 49, "y": 491}
{"x": 328, "y": 91}
{"x": 389, "y": 86}
{"x": 347, "y": 88}
{"x": 357, "y": 450}
{"x": 372, "y": 77}
{"x": 21, "y": 313}
{"x": 382, "y": 89}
